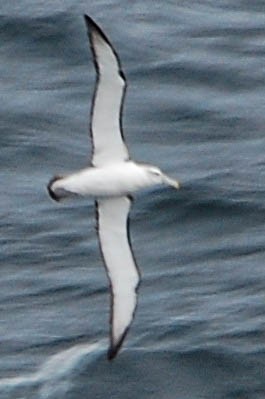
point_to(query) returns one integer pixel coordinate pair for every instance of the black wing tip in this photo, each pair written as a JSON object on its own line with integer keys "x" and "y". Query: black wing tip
{"x": 93, "y": 26}
{"x": 49, "y": 188}
{"x": 89, "y": 21}
{"x": 112, "y": 352}
{"x": 114, "y": 348}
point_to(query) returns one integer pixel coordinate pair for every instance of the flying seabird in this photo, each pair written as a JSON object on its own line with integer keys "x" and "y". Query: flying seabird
{"x": 110, "y": 180}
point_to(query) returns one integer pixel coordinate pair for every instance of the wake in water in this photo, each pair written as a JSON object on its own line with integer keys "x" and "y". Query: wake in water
{"x": 54, "y": 377}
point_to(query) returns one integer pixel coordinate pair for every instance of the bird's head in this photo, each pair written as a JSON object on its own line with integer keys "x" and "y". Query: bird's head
{"x": 156, "y": 176}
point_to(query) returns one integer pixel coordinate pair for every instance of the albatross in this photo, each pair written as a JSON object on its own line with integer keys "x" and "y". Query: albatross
{"x": 110, "y": 180}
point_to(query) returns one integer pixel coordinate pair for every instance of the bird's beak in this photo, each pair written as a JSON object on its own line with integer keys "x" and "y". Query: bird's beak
{"x": 171, "y": 182}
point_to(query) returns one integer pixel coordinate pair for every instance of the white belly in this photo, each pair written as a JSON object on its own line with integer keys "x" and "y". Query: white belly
{"x": 108, "y": 181}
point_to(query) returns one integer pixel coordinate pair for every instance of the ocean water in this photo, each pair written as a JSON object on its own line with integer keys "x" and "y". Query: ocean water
{"x": 195, "y": 106}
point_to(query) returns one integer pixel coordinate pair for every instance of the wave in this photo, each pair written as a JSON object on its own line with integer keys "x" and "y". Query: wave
{"x": 54, "y": 377}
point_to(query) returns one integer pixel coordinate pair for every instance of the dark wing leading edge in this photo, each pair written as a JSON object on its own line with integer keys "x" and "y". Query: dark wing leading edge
{"x": 112, "y": 219}
{"x": 106, "y": 112}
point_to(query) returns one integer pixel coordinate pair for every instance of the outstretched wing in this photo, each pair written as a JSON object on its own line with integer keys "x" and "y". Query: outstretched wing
{"x": 106, "y": 111}
{"x": 113, "y": 230}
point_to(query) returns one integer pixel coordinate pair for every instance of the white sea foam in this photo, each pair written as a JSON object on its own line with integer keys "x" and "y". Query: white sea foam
{"x": 54, "y": 376}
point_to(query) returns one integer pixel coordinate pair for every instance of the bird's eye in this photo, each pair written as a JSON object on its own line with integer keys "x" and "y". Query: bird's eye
{"x": 155, "y": 172}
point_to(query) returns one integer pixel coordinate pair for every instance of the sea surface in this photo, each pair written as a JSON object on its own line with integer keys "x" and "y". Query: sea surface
{"x": 195, "y": 107}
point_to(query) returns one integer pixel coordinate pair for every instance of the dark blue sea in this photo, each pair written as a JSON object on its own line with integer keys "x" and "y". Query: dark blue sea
{"x": 195, "y": 107}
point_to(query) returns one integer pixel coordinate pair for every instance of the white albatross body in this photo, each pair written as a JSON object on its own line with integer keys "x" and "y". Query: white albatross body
{"x": 111, "y": 180}
{"x": 117, "y": 179}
